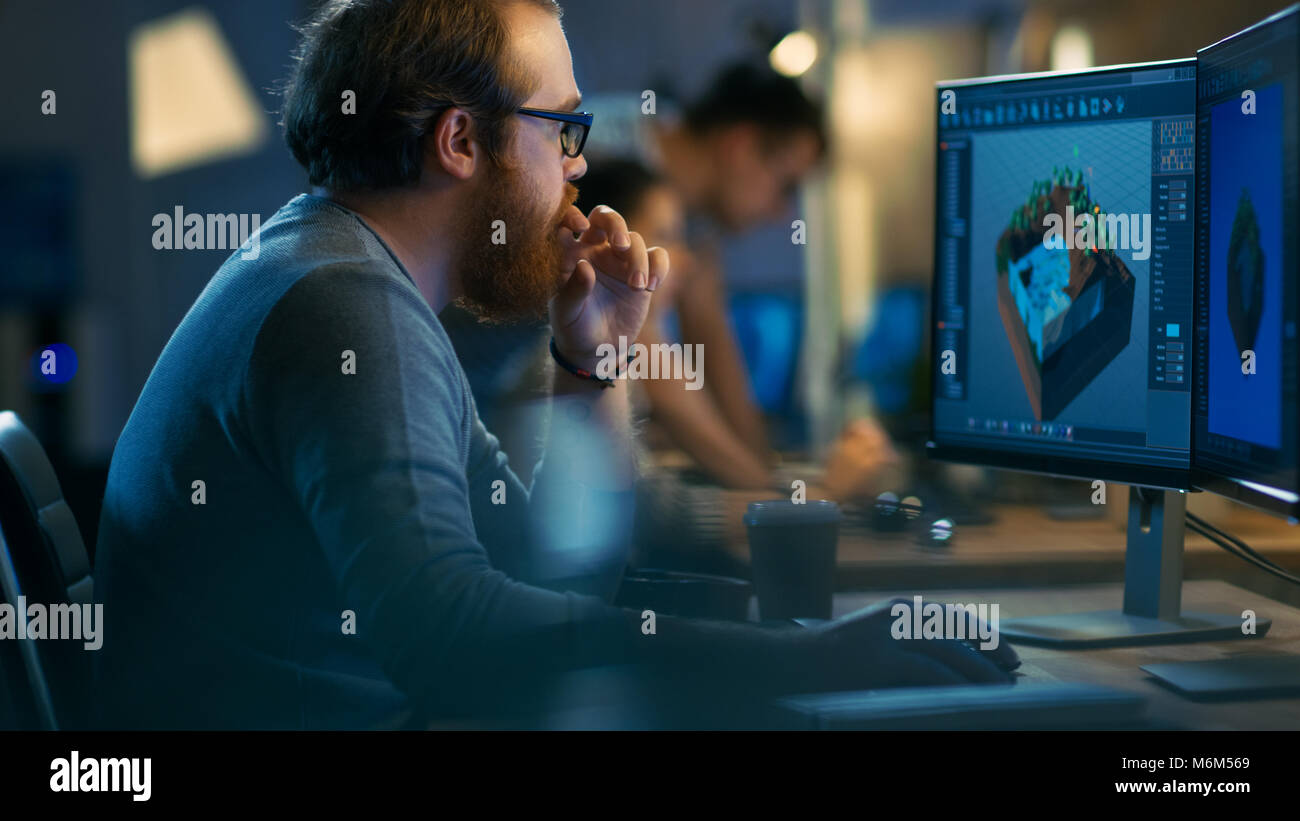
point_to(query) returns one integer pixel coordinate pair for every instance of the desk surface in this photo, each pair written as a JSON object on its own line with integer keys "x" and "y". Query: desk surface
{"x": 1119, "y": 666}
{"x": 616, "y": 698}
{"x": 1024, "y": 546}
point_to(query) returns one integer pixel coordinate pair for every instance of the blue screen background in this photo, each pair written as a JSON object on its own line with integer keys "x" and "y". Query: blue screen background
{"x": 1246, "y": 152}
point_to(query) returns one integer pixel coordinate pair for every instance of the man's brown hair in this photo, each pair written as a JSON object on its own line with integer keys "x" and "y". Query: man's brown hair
{"x": 406, "y": 62}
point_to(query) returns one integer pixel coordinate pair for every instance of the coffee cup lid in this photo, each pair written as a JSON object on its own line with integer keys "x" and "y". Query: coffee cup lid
{"x": 787, "y": 512}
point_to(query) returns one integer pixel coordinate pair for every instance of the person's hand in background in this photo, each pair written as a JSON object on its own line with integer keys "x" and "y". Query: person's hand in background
{"x": 858, "y": 461}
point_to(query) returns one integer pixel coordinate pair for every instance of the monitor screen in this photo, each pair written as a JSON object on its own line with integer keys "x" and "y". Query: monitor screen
{"x": 1063, "y": 294}
{"x": 1245, "y": 380}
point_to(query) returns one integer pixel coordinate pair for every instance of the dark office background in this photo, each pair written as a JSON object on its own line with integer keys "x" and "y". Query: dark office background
{"x": 89, "y": 276}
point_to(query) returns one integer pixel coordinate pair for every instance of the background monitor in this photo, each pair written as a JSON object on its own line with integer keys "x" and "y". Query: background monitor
{"x": 1245, "y": 425}
{"x": 1060, "y": 349}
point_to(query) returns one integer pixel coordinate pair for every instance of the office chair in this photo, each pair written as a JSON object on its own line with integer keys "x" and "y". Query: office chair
{"x": 44, "y": 683}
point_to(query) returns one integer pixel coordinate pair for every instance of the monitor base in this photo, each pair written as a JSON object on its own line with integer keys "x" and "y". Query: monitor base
{"x": 1153, "y": 584}
{"x": 1115, "y": 628}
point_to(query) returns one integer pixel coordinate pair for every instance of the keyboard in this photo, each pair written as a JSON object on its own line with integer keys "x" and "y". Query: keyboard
{"x": 1020, "y": 706}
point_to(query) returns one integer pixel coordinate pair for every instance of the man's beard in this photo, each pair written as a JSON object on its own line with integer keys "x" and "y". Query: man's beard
{"x": 513, "y": 280}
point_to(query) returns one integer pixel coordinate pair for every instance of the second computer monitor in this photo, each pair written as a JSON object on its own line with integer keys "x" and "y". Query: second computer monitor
{"x": 1248, "y": 183}
{"x": 1063, "y": 291}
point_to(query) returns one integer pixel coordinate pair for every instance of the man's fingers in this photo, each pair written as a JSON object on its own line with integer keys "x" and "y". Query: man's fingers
{"x": 572, "y": 298}
{"x": 629, "y": 267}
{"x": 659, "y": 266}
{"x": 593, "y": 237}
{"x": 574, "y": 221}
{"x": 572, "y": 248}
{"x": 880, "y": 611}
{"x": 638, "y": 263}
{"x": 610, "y": 224}
{"x": 1003, "y": 655}
{"x": 962, "y": 658}
{"x": 615, "y": 251}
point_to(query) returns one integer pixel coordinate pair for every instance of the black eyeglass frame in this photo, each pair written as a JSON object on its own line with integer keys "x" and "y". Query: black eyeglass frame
{"x": 579, "y": 118}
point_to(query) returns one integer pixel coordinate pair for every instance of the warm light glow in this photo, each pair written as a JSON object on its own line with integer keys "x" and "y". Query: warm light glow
{"x": 854, "y": 202}
{"x": 1071, "y": 49}
{"x": 190, "y": 103}
{"x": 851, "y": 100}
{"x": 795, "y": 54}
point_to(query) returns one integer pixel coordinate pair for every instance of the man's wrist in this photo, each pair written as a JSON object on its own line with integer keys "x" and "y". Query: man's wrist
{"x": 586, "y": 360}
{"x": 604, "y": 369}
{"x": 573, "y": 377}
{"x": 567, "y": 384}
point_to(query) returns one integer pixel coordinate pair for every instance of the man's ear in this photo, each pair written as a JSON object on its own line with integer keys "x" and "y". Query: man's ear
{"x": 453, "y": 143}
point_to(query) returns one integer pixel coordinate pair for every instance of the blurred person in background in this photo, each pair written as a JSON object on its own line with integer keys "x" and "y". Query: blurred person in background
{"x": 734, "y": 157}
{"x": 695, "y": 419}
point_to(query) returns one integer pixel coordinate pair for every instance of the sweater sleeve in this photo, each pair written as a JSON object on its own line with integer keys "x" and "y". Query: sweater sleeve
{"x": 356, "y": 404}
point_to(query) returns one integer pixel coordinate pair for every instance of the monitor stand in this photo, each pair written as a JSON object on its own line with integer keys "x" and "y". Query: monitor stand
{"x": 1153, "y": 588}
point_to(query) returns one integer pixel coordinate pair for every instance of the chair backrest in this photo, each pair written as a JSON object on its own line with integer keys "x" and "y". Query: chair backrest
{"x": 43, "y": 560}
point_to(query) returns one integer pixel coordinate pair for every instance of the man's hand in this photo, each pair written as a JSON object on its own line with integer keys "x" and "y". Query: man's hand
{"x": 859, "y": 651}
{"x": 607, "y": 294}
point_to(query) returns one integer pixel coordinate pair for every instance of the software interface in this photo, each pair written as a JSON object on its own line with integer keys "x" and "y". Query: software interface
{"x": 1245, "y": 422}
{"x": 1064, "y": 255}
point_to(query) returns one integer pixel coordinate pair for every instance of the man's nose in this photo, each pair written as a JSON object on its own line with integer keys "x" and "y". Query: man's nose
{"x": 574, "y": 167}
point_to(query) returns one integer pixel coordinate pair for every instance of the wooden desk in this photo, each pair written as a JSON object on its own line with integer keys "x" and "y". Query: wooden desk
{"x": 1119, "y": 666}
{"x": 1025, "y": 547}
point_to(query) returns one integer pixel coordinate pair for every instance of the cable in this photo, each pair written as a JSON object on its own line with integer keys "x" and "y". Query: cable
{"x": 1247, "y": 557}
{"x": 1229, "y": 544}
{"x": 1192, "y": 517}
{"x": 1233, "y": 545}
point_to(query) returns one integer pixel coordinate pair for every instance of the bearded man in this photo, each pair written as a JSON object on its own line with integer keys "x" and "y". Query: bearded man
{"x": 305, "y": 524}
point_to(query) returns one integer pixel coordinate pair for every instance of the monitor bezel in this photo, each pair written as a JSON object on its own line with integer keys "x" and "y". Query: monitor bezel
{"x": 1237, "y": 491}
{"x": 1048, "y": 465}
{"x": 1205, "y": 477}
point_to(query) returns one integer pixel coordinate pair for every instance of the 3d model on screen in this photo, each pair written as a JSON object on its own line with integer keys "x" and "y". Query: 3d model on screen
{"x": 1067, "y": 308}
{"x": 1245, "y": 275}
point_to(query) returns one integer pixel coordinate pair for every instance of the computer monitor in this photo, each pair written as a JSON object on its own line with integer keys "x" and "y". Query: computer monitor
{"x": 1062, "y": 310}
{"x": 1062, "y": 299}
{"x": 1248, "y": 179}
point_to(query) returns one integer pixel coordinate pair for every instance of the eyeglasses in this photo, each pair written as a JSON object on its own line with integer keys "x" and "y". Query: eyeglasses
{"x": 573, "y": 134}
